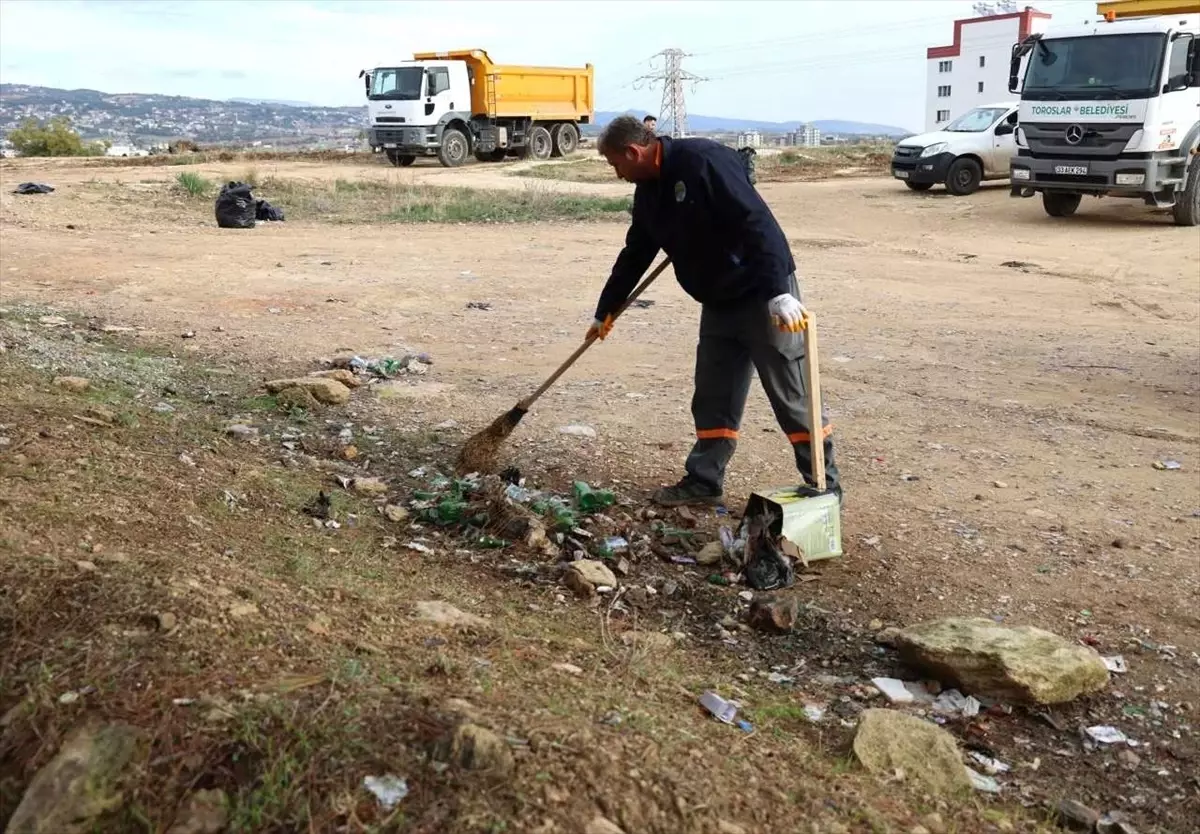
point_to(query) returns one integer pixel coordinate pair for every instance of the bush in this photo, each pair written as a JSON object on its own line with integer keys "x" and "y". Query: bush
{"x": 55, "y": 138}
{"x": 193, "y": 184}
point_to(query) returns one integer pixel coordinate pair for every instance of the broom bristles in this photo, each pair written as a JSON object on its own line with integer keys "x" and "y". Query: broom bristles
{"x": 481, "y": 452}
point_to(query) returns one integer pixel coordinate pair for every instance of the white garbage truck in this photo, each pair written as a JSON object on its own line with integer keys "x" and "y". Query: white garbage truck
{"x": 1112, "y": 108}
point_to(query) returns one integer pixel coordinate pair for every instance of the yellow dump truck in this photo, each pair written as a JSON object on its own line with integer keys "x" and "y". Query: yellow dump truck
{"x": 455, "y": 104}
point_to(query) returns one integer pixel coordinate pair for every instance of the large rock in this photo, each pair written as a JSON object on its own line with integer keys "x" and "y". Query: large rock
{"x": 80, "y": 783}
{"x": 888, "y": 742}
{"x": 1022, "y": 664}
{"x": 328, "y": 391}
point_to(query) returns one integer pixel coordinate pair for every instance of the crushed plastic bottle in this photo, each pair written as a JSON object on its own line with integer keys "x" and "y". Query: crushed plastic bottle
{"x": 590, "y": 500}
{"x": 491, "y": 542}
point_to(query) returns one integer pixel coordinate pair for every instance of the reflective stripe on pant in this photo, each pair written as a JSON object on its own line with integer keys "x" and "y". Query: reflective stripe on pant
{"x": 734, "y": 341}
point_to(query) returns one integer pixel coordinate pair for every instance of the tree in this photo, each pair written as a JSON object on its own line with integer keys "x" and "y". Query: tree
{"x": 55, "y": 138}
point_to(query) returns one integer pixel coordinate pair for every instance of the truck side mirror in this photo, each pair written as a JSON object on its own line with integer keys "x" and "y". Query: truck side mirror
{"x": 1005, "y": 129}
{"x": 1014, "y": 69}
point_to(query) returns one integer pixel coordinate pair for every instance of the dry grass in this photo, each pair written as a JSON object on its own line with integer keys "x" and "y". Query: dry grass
{"x": 791, "y": 165}
{"x": 292, "y": 669}
{"x": 359, "y": 201}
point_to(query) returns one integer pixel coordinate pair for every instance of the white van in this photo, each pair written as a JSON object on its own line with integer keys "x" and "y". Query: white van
{"x": 976, "y": 146}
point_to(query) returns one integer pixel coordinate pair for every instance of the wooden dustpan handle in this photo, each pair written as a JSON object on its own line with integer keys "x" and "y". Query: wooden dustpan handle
{"x": 816, "y": 428}
{"x": 528, "y": 402}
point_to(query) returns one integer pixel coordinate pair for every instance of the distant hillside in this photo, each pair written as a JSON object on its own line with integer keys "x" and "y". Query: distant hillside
{"x": 145, "y": 118}
{"x": 701, "y": 124}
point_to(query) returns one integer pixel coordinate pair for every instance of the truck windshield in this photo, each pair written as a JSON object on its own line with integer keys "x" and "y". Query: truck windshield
{"x": 396, "y": 83}
{"x": 977, "y": 120}
{"x": 1094, "y": 67}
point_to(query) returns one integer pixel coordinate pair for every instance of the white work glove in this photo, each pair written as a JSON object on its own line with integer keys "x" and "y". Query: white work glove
{"x": 787, "y": 313}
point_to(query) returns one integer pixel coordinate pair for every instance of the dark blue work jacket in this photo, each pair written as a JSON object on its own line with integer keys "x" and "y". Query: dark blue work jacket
{"x": 702, "y": 211}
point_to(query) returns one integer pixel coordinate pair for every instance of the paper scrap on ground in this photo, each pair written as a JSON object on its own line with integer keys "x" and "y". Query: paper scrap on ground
{"x": 388, "y": 789}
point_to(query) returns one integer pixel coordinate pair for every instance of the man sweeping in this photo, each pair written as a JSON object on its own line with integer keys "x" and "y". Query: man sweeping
{"x": 694, "y": 201}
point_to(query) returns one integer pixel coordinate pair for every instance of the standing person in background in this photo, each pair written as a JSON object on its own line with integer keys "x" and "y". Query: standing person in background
{"x": 695, "y": 202}
{"x": 651, "y": 123}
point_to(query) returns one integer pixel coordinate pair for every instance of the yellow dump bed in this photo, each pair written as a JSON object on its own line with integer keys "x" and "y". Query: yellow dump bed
{"x": 1145, "y": 8}
{"x": 513, "y": 91}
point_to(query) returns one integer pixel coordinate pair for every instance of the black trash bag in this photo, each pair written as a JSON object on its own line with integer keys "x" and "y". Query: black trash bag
{"x": 33, "y": 188}
{"x": 235, "y": 206}
{"x": 748, "y": 155}
{"x": 265, "y": 211}
{"x": 766, "y": 566}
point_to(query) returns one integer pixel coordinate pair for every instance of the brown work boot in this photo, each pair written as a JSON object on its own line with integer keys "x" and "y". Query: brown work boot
{"x": 689, "y": 492}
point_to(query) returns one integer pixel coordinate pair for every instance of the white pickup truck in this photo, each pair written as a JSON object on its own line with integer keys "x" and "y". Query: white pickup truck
{"x": 976, "y": 146}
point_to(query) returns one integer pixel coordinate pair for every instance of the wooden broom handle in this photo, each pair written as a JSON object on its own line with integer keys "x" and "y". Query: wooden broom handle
{"x": 528, "y": 402}
{"x": 816, "y": 428}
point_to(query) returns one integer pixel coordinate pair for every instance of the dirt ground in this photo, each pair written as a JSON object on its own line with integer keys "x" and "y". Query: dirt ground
{"x": 1002, "y": 384}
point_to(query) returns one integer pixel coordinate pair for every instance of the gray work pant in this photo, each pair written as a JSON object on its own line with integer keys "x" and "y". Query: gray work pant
{"x": 734, "y": 341}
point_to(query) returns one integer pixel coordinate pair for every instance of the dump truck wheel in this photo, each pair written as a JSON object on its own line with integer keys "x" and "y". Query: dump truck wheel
{"x": 1058, "y": 204}
{"x": 539, "y": 143}
{"x": 400, "y": 160}
{"x": 919, "y": 186}
{"x": 566, "y": 139}
{"x": 1186, "y": 211}
{"x": 964, "y": 177}
{"x": 454, "y": 149}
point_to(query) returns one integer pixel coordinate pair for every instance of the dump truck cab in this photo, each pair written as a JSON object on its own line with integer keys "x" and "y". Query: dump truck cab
{"x": 455, "y": 104}
{"x": 411, "y": 104}
{"x": 1112, "y": 108}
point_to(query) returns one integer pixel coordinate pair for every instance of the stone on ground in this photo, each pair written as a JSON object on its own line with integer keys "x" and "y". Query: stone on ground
{"x": 774, "y": 614}
{"x": 888, "y": 742}
{"x": 74, "y": 384}
{"x": 80, "y": 783}
{"x": 586, "y": 575}
{"x": 328, "y": 391}
{"x": 206, "y": 812}
{"x": 1022, "y": 663}
{"x": 472, "y": 747}
{"x": 443, "y": 613}
{"x": 342, "y": 375}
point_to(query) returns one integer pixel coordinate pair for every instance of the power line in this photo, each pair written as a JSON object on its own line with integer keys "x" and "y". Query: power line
{"x": 673, "y": 77}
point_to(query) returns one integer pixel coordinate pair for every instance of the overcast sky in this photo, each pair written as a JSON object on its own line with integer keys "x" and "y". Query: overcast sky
{"x": 776, "y": 60}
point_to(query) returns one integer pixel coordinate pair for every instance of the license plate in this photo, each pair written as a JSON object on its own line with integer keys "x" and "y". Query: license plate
{"x": 1071, "y": 169}
{"x": 900, "y": 175}
{"x": 389, "y": 144}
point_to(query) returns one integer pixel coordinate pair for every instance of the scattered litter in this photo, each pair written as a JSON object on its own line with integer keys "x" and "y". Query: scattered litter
{"x": 744, "y": 725}
{"x": 578, "y": 431}
{"x": 614, "y": 544}
{"x": 164, "y": 408}
{"x": 1106, "y": 734}
{"x": 814, "y": 713}
{"x": 910, "y": 477}
{"x": 569, "y": 668}
{"x": 388, "y": 789}
{"x": 990, "y": 765}
{"x": 419, "y": 548}
{"x": 388, "y": 367}
{"x": 985, "y": 784}
{"x": 953, "y": 703}
{"x": 900, "y": 692}
{"x": 780, "y": 678}
{"x": 53, "y": 321}
{"x": 33, "y": 188}
{"x": 1116, "y": 664}
{"x": 479, "y": 305}
{"x": 642, "y": 303}
{"x": 68, "y": 697}
{"x": 1167, "y": 464}
{"x": 721, "y": 709}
